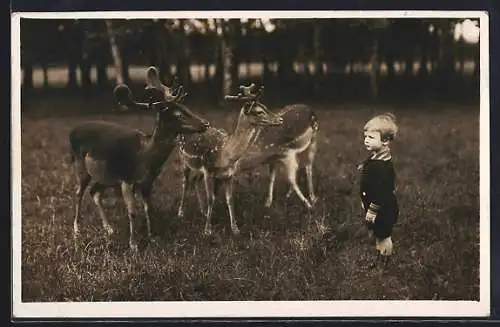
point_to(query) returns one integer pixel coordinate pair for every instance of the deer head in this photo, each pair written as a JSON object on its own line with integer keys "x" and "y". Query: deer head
{"x": 253, "y": 110}
{"x": 172, "y": 115}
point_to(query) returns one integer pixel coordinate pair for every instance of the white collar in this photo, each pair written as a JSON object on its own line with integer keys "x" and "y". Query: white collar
{"x": 384, "y": 155}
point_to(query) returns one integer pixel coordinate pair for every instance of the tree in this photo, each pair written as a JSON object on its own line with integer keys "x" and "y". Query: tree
{"x": 73, "y": 39}
{"x": 234, "y": 36}
{"x": 115, "y": 52}
{"x": 225, "y": 58}
{"x": 446, "y": 63}
{"x": 183, "y": 54}
{"x": 374, "y": 28}
{"x": 284, "y": 39}
{"x": 28, "y": 47}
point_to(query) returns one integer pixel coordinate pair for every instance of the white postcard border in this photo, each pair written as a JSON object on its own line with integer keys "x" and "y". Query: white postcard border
{"x": 250, "y": 309}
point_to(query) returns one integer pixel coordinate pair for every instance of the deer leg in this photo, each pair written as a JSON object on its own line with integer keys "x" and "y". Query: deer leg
{"x": 311, "y": 153}
{"x": 83, "y": 182}
{"x": 291, "y": 167}
{"x": 128, "y": 196}
{"x": 185, "y": 183}
{"x": 228, "y": 188}
{"x": 197, "y": 183}
{"x": 272, "y": 178}
{"x": 146, "y": 203}
{"x": 210, "y": 203}
{"x": 95, "y": 191}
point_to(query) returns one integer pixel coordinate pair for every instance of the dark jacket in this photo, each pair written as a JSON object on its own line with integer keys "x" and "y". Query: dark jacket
{"x": 377, "y": 192}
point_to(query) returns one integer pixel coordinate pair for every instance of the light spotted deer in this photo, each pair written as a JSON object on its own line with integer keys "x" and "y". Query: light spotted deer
{"x": 106, "y": 154}
{"x": 259, "y": 137}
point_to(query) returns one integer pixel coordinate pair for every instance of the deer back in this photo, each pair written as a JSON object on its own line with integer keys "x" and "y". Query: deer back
{"x": 299, "y": 121}
{"x": 103, "y": 139}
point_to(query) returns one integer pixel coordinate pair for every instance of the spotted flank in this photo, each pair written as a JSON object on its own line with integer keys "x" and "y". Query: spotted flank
{"x": 259, "y": 136}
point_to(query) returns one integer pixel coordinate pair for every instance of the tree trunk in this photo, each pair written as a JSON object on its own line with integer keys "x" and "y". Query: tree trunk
{"x": 285, "y": 59}
{"x": 45, "y": 69}
{"x": 226, "y": 61}
{"x": 125, "y": 67}
{"x": 74, "y": 42}
{"x": 102, "y": 75}
{"x": 389, "y": 61}
{"x": 265, "y": 47}
{"x": 318, "y": 58}
{"x": 101, "y": 66}
{"x": 234, "y": 38}
{"x": 375, "y": 68}
{"x": 28, "y": 76}
{"x": 446, "y": 61}
{"x": 184, "y": 56}
{"x": 115, "y": 53}
{"x": 72, "y": 67}
{"x": 206, "y": 73}
{"x": 208, "y": 54}
{"x": 161, "y": 50}
{"x": 423, "y": 71}
{"x": 265, "y": 65}
{"x": 461, "y": 56}
{"x": 85, "y": 71}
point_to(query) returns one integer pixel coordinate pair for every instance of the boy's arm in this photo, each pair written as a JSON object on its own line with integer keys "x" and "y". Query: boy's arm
{"x": 381, "y": 184}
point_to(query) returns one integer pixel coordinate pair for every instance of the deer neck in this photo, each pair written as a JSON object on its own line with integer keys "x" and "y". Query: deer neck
{"x": 157, "y": 148}
{"x": 238, "y": 142}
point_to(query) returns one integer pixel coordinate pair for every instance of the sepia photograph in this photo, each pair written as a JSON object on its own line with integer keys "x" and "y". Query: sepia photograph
{"x": 250, "y": 164}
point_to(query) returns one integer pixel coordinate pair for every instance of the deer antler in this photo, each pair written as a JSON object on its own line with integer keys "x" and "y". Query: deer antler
{"x": 155, "y": 88}
{"x": 247, "y": 90}
{"x": 153, "y": 81}
{"x": 246, "y": 94}
{"x": 123, "y": 96}
{"x": 180, "y": 94}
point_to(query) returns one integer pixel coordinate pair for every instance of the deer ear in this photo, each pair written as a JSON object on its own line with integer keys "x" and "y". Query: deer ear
{"x": 153, "y": 76}
{"x": 122, "y": 94}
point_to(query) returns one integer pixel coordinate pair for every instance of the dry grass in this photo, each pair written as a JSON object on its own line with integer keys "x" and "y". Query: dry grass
{"x": 292, "y": 255}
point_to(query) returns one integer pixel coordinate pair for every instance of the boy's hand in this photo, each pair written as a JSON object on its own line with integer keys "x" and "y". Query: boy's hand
{"x": 370, "y": 216}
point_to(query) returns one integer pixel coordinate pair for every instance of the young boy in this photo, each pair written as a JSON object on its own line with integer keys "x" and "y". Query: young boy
{"x": 377, "y": 187}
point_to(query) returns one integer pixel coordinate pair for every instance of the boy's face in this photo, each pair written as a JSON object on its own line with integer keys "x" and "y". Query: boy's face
{"x": 373, "y": 141}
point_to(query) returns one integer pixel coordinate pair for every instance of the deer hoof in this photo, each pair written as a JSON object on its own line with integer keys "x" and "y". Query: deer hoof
{"x": 134, "y": 247}
{"x": 268, "y": 204}
{"x": 236, "y": 230}
{"x": 207, "y": 231}
{"x": 109, "y": 230}
{"x": 180, "y": 214}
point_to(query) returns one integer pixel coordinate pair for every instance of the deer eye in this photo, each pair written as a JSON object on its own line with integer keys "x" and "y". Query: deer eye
{"x": 259, "y": 111}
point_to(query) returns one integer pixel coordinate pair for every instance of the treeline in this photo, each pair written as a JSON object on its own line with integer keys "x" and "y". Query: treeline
{"x": 300, "y": 57}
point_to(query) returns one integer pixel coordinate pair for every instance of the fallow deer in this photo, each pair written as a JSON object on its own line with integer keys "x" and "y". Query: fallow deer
{"x": 106, "y": 154}
{"x": 259, "y": 137}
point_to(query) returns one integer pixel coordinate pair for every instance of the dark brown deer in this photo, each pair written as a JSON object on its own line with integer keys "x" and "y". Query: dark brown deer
{"x": 107, "y": 154}
{"x": 259, "y": 137}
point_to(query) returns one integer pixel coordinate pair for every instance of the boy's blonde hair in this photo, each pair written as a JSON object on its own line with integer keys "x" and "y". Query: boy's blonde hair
{"x": 385, "y": 124}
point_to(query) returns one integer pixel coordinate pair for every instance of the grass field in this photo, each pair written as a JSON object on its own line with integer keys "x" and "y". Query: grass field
{"x": 292, "y": 255}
